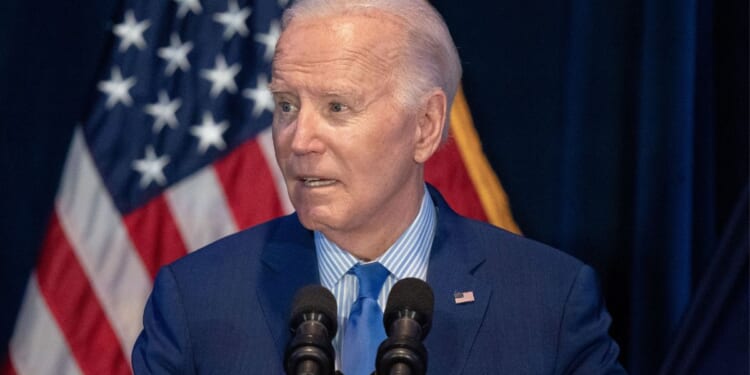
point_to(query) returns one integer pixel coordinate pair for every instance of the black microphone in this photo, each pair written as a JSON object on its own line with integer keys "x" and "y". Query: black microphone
{"x": 313, "y": 324}
{"x": 407, "y": 320}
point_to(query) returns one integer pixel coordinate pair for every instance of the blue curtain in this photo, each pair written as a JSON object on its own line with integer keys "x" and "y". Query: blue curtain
{"x": 619, "y": 130}
{"x": 649, "y": 136}
{"x": 666, "y": 171}
{"x": 715, "y": 325}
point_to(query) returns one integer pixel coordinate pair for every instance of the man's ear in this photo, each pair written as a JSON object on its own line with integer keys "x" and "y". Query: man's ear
{"x": 430, "y": 125}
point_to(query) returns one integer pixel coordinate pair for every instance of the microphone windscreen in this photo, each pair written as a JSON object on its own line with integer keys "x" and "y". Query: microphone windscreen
{"x": 314, "y": 299}
{"x": 410, "y": 294}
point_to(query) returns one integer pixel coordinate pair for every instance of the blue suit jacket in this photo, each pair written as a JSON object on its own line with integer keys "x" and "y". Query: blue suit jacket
{"x": 224, "y": 309}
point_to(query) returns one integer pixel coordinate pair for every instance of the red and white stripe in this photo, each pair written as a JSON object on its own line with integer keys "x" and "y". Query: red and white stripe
{"x": 83, "y": 305}
{"x": 39, "y": 347}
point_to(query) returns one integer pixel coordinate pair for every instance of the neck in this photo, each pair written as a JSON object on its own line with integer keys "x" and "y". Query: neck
{"x": 371, "y": 244}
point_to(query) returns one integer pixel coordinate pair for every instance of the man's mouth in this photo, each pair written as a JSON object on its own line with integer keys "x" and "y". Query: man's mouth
{"x": 316, "y": 182}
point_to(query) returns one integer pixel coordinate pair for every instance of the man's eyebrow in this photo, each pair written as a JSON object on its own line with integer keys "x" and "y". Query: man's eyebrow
{"x": 336, "y": 92}
{"x": 343, "y": 93}
{"x": 339, "y": 91}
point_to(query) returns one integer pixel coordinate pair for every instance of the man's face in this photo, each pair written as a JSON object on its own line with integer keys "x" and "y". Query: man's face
{"x": 344, "y": 144}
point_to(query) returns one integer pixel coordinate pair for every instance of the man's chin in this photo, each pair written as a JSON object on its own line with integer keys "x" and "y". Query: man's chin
{"x": 314, "y": 222}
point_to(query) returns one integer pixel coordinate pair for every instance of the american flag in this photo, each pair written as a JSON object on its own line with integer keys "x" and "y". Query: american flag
{"x": 175, "y": 153}
{"x": 463, "y": 297}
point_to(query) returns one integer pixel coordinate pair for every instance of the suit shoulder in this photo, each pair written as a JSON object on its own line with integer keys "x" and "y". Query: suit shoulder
{"x": 500, "y": 245}
{"x": 241, "y": 247}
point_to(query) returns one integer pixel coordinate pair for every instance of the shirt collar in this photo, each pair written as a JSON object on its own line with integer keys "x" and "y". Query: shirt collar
{"x": 407, "y": 257}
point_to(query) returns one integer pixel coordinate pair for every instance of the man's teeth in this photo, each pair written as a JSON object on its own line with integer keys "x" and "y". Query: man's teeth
{"x": 316, "y": 182}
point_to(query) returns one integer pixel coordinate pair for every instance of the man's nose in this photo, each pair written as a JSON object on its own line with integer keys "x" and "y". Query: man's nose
{"x": 307, "y": 138}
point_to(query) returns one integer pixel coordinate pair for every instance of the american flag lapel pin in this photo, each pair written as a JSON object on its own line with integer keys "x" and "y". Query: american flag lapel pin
{"x": 463, "y": 297}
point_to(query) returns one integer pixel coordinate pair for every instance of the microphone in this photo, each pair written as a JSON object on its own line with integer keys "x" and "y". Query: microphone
{"x": 407, "y": 320}
{"x": 313, "y": 324}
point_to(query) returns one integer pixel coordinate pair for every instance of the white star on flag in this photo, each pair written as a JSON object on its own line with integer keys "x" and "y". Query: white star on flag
{"x": 260, "y": 95}
{"x": 151, "y": 168}
{"x": 188, "y": 5}
{"x": 283, "y": 3}
{"x": 221, "y": 76}
{"x": 164, "y": 111}
{"x": 117, "y": 88}
{"x": 233, "y": 20}
{"x": 210, "y": 133}
{"x": 131, "y": 31}
{"x": 269, "y": 39}
{"x": 176, "y": 54}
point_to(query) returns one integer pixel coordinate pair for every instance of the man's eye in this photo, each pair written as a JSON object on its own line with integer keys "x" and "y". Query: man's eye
{"x": 285, "y": 106}
{"x": 337, "y": 107}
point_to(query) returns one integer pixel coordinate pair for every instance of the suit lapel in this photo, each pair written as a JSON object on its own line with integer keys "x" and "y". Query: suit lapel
{"x": 455, "y": 325}
{"x": 290, "y": 263}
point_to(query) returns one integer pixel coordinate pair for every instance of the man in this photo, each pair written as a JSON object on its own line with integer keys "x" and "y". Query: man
{"x": 362, "y": 89}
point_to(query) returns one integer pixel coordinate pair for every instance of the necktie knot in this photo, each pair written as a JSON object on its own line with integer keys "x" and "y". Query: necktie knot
{"x": 371, "y": 277}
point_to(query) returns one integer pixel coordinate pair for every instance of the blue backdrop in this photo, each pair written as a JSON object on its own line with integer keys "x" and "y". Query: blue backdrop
{"x": 619, "y": 130}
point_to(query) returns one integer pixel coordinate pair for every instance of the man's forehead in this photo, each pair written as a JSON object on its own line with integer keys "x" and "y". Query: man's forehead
{"x": 320, "y": 87}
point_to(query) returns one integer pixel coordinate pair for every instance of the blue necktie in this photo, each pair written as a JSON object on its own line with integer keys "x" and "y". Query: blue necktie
{"x": 364, "y": 328}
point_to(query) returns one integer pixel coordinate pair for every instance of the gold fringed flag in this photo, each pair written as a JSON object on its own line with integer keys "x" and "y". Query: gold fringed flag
{"x": 460, "y": 170}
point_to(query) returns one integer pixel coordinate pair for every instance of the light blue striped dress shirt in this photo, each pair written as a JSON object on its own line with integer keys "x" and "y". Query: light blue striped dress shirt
{"x": 407, "y": 257}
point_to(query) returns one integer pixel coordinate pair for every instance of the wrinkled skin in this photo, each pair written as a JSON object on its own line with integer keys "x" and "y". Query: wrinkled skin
{"x": 352, "y": 156}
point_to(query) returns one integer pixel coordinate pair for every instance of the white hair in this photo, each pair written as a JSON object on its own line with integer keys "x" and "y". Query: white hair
{"x": 431, "y": 58}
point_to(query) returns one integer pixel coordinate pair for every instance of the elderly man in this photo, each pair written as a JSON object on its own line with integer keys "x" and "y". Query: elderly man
{"x": 362, "y": 90}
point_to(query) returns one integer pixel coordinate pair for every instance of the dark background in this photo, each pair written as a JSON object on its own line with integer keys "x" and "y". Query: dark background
{"x": 619, "y": 130}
